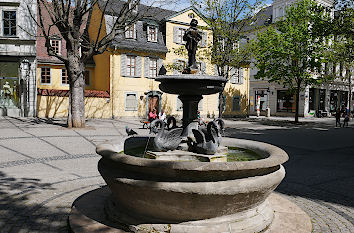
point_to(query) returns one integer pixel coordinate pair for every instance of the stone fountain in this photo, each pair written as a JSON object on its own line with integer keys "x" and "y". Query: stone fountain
{"x": 181, "y": 190}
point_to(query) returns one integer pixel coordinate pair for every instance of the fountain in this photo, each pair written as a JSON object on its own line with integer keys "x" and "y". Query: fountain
{"x": 184, "y": 189}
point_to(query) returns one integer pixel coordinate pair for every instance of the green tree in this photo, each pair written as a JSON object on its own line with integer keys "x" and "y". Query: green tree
{"x": 293, "y": 52}
{"x": 342, "y": 48}
{"x": 228, "y": 20}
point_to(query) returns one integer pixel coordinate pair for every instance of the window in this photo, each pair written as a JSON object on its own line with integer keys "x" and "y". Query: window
{"x": 236, "y": 103}
{"x": 179, "y": 66}
{"x": 153, "y": 68}
{"x": 131, "y": 103}
{"x": 180, "y": 34}
{"x": 131, "y": 65}
{"x": 152, "y": 34}
{"x": 87, "y": 75}
{"x": 285, "y": 101}
{"x": 9, "y": 23}
{"x": 56, "y": 46}
{"x": 130, "y": 32}
{"x": 64, "y": 77}
{"x": 45, "y": 75}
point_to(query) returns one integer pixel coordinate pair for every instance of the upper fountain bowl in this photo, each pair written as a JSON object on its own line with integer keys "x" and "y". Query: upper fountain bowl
{"x": 191, "y": 84}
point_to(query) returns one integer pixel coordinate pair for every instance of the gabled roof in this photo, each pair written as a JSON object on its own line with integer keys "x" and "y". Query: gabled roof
{"x": 185, "y": 10}
{"x": 155, "y": 13}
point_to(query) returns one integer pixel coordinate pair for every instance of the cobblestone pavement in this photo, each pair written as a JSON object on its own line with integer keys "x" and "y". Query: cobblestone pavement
{"x": 44, "y": 167}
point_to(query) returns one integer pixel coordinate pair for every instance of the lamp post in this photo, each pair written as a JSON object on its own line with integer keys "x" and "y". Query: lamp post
{"x": 26, "y": 67}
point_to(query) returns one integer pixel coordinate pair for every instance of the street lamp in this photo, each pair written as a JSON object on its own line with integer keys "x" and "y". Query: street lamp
{"x": 26, "y": 67}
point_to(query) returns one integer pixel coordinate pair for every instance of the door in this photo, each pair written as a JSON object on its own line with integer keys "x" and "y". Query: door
{"x": 154, "y": 103}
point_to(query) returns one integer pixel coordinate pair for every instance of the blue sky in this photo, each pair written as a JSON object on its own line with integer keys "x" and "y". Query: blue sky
{"x": 180, "y": 4}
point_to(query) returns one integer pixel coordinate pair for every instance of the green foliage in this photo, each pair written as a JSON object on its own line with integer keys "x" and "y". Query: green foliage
{"x": 293, "y": 52}
{"x": 227, "y": 19}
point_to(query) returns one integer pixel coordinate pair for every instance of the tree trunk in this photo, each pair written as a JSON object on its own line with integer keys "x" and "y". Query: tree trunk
{"x": 69, "y": 120}
{"x": 297, "y": 102}
{"x": 76, "y": 70}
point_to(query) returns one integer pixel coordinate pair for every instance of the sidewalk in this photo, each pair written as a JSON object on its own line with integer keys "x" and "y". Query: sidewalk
{"x": 45, "y": 167}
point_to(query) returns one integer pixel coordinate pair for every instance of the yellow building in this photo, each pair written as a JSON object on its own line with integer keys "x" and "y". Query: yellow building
{"x": 124, "y": 75}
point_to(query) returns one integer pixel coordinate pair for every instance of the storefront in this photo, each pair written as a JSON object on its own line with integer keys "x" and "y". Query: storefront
{"x": 338, "y": 99}
{"x": 16, "y": 87}
{"x": 285, "y": 101}
{"x": 317, "y": 98}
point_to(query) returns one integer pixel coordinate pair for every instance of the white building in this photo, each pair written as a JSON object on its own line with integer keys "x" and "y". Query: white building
{"x": 17, "y": 58}
{"x": 325, "y": 98}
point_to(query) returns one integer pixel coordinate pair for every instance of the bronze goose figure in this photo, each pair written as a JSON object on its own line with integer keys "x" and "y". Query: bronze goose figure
{"x": 166, "y": 139}
{"x": 205, "y": 142}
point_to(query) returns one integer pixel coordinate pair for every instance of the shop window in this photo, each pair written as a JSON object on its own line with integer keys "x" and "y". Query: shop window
{"x": 285, "y": 101}
{"x": 64, "y": 77}
{"x": 9, "y": 23}
{"x": 131, "y": 103}
{"x": 263, "y": 98}
{"x": 45, "y": 75}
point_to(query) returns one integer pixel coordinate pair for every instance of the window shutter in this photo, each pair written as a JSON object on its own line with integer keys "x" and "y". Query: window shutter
{"x": 123, "y": 65}
{"x": 204, "y": 40}
{"x": 175, "y": 31}
{"x": 146, "y": 67}
{"x": 138, "y": 67}
{"x": 203, "y": 68}
{"x": 159, "y": 65}
{"x": 241, "y": 75}
{"x": 200, "y": 105}
{"x": 216, "y": 70}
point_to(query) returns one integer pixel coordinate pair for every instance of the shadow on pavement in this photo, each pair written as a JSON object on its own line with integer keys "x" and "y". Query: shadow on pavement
{"x": 321, "y": 161}
{"x": 18, "y": 214}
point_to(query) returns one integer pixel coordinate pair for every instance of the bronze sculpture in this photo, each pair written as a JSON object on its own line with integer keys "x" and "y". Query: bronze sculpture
{"x": 192, "y": 38}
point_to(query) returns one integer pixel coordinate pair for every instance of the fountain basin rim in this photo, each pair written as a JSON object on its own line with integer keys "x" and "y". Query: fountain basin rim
{"x": 274, "y": 157}
{"x": 163, "y": 78}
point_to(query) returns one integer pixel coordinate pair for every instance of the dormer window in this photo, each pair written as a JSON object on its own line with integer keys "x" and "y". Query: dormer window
{"x": 152, "y": 33}
{"x": 55, "y": 44}
{"x": 130, "y": 32}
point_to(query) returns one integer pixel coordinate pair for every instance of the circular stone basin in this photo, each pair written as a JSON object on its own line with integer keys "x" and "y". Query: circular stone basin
{"x": 191, "y": 84}
{"x": 196, "y": 196}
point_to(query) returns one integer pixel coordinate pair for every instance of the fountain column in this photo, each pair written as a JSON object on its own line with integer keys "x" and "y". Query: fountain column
{"x": 190, "y": 108}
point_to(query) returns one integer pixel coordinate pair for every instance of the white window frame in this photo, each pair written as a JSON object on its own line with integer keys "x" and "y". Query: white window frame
{"x": 151, "y": 68}
{"x": 125, "y": 101}
{"x": 89, "y": 85}
{"x": 59, "y": 45}
{"x": 61, "y": 77}
{"x": 128, "y": 32}
{"x": 180, "y": 34}
{"x": 149, "y": 37}
{"x": 129, "y": 65}
{"x": 50, "y": 75}
{"x": 2, "y": 20}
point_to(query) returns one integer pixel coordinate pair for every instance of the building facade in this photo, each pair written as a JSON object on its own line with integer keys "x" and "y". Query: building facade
{"x": 17, "y": 58}
{"x": 324, "y": 98}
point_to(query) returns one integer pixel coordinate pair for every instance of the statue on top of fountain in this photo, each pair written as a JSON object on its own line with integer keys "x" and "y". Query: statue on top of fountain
{"x": 192, "y": 37}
